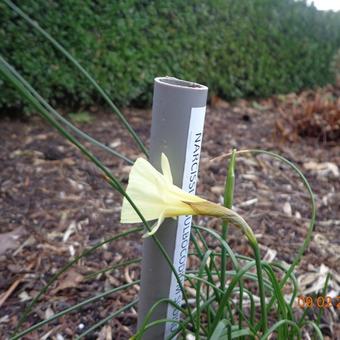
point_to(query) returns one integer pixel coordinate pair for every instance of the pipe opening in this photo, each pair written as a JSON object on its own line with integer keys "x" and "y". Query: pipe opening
{"x": 179, "y": 83}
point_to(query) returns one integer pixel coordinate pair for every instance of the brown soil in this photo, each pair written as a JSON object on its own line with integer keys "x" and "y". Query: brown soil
{"x": 54, "y": 204}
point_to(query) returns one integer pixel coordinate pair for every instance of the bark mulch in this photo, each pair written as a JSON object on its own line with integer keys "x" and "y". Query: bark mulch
{"x": 54, "y": 204}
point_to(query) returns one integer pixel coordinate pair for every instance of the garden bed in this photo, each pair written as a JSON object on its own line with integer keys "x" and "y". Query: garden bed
{"x": 54, "y": 204}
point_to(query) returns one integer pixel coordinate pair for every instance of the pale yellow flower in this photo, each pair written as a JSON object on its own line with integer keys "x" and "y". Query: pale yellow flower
{"x": 155, "y": 195}
{"x": 157, "y": 198}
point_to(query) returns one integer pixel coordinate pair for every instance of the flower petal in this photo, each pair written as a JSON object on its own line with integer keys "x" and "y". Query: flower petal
{"x": 145, "y": 188}
{"x": 156, "y": 225}
{"x": 154, "y": 194}
{"x": 166, "y": 168}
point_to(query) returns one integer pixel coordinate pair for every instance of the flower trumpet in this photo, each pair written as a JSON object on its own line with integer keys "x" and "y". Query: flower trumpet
{"x": 157, "y": 198}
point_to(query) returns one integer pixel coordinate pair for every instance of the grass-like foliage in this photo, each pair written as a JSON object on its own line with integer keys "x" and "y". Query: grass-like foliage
{"x": 234, "y": 310}
{"x": 223, "y": 306}
{"x": 227, "y": 295}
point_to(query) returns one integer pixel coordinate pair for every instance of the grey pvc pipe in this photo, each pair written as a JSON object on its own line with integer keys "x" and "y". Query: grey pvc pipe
{"x": 178, "y": 114}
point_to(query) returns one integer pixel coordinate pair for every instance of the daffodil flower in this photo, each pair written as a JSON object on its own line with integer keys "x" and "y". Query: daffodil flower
{"x": 157, "y": 198}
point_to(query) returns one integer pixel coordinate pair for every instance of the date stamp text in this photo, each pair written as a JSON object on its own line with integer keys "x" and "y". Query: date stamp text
{"x": 308, "y": 301}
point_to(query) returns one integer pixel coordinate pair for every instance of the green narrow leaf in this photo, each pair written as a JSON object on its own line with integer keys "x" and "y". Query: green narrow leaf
{"x": 220, "y": 327}
{"x": 108, "y": 318}
{"x": 6, "y": 72}
{"x": 72, "y": 309}
{"x": 58, "y": 116}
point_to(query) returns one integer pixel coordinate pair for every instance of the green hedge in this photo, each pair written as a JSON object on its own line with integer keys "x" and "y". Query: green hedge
{"x": 238, "y": 48}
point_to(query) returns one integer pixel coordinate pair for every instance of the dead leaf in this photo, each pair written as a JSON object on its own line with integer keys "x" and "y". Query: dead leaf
{"x": 248, "y": 203}
{"x": 217, "y": 189}
{"x": 322, "y": 169}
{"x": 313, "y": 282}
{"x": 24, "y": 296}
{"x": 11, "y": 240}
{"x": 287, "y": 209}
{"x": 105, "y": 333}
{"x": 49, "y": 313}
{"x": 69, "y": 231}
{"x": 4, "y": 296}
{"x": 4, "y": 319}
{"x": 270, "y": 255}
{"x": 117, "y": 142}
{"x": 71, "y": 279}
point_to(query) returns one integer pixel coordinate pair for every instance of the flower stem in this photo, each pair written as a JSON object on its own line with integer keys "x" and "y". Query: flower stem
{"x": 228, "y": 202}
{"x": 264, "y": 319}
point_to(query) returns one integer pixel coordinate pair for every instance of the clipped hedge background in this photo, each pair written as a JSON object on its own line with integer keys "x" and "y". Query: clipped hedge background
{"x": 237, "y": 48}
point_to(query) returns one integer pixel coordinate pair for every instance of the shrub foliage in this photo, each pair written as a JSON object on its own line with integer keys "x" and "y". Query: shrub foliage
{"x": 238, "y": 48}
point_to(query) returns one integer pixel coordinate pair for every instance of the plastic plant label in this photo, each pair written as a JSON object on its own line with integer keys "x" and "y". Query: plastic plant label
{"x": 190, "y": 175}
